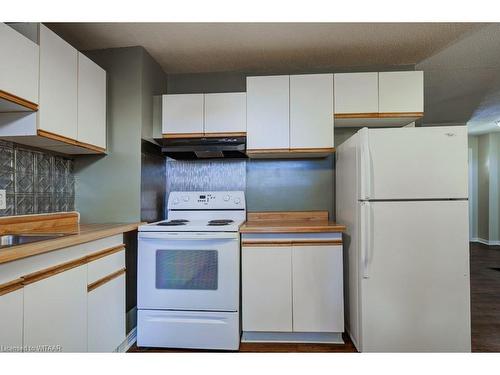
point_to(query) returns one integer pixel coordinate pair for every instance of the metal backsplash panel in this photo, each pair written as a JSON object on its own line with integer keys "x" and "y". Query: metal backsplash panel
{"x": 35, "y": 181}
{"x": 153, "y": 171}
{"x": 270, "y": 185}
{"x": 192, "y": 175}
{"x": 290, "y": 185}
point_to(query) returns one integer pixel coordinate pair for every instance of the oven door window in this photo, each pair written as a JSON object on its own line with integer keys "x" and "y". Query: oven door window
{"x": 186, "y": 269}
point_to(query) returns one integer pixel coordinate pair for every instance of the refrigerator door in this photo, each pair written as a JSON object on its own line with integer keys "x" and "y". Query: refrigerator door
{"x": 413, "y": 163}
{"x": 414, "y": 277}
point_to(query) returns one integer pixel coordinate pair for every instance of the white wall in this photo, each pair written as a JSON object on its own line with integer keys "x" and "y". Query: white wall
{"x": 473, "y": 186}
{"x": 484, "y": 188}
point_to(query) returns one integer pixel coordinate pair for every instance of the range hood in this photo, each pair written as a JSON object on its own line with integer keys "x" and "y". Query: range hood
{"x": 203, "y": 147}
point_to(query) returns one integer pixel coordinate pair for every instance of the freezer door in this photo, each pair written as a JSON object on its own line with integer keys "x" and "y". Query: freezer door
{"x": 414, "y": 262}
{"x": 413, "y": 163}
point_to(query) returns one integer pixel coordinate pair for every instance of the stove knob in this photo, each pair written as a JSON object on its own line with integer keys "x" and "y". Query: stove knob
{"x": 237, "y": 200}
{"x": 185, "y": 198}
{"x": 226, "y": 198}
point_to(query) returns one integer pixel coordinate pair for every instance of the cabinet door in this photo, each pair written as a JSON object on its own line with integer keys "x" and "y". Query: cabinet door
{"x": 267, "y": 289}
{"x": 106, "y": 316}
{"x": 401, "y": 91}
{"x": 311, "y": 111}
{"x": 91, "y": 102}
{"x": 356, "y": 92}
{"x": 58, "y": 85}
{"x": 268, "y": 125}
{"x": 55, "y": 311}
{"x": 182, "y": 114}
{"x": 11, "y": 321}
{"x": 19, "y": 64}
{"x": 226, "y": 112}
{"x": 317, "y": 289}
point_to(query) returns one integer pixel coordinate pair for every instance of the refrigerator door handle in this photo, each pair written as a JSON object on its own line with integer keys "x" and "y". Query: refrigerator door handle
{"x": 366, "y": 164}
{"x": 366, "y": 217}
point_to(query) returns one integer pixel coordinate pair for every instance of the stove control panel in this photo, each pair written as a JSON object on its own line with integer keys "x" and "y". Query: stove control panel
{"x": 206, "y": 200}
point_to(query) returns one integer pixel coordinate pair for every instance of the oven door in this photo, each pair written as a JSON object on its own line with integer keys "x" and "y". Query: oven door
{"x": 188, "y": 271}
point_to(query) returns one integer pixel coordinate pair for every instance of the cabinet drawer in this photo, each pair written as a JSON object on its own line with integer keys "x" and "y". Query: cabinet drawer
{"x": 105, "y": 266}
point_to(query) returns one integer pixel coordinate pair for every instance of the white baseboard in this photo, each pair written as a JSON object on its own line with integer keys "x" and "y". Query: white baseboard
{"x": 293, "y": 337}
{"x": 485, "y": 242}
{"x": 128, "y": 342}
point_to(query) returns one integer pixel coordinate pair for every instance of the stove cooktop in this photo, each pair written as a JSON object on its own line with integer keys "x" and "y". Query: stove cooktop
{"x": 184, "y": 225}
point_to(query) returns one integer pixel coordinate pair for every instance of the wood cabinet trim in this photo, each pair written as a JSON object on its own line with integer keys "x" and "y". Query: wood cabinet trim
{"x": 224, "y": 134}
{"x": 105, "y": 252}
{"x": 11, "y": 286}
{"x": 54, "y": 270}
{"x": 105, "y": 279}
{"x": 182, "y": 135}
{"x": 294, "y": 242}
{"x": 17, "y": 100}
{"x": 290, "y": 150}
{"x": 203, "y": 135}
{"x": 378, "y": 115}
{"x": 400, "y": 114}
{"x": 70, "y": 141}
{"x": 317, "y": 242}
{"x": 271, "y": 243}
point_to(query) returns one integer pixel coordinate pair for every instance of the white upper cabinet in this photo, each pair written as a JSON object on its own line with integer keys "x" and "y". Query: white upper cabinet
{"x": 225, "y": 112}
{"x": 182, "y": 114}
{"x": 356, "y": 92}
{"x": 311, "y": 111}
{"x": 401, "y": 92}
{"x": 268, "y": 109}
{"x": 91, "y": 102}
{"x": 18, "y": 65}
{"x": 58, "y": 85}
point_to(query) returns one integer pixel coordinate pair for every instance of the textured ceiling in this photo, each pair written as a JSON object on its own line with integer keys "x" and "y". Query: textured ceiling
{"x": 268, "y": 47}
{"x": 462, "y": 82}
{"x": 461, "y": 61}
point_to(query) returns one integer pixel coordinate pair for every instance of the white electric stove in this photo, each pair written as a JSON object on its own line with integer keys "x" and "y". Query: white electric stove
{"x": 188, "y": 278}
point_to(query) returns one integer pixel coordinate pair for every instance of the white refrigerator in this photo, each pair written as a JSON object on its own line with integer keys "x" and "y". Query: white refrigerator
{"x": 402, "y": 193}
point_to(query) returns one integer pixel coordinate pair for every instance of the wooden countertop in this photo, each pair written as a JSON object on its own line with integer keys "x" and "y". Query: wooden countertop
{"x": 76, "y": 235}
{"x": 290, "y": 222}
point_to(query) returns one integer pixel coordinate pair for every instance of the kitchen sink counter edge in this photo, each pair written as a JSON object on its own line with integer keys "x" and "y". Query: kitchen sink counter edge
{"x": 74, "y": 235}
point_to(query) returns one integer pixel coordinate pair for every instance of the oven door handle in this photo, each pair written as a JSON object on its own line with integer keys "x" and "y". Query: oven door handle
{"x": 203, "y": 236}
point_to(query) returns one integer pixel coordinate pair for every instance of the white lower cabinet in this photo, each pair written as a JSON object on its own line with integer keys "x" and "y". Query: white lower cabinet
{"x": 294, "y": 292}
{"x": 267, "y": 289}
{"x": 106, "y": 316}
{"x": 317, "y": 289}
{"x": 68, "y": 300}
{"x": 11, "y": 321}
{"x": 55, "y": 312}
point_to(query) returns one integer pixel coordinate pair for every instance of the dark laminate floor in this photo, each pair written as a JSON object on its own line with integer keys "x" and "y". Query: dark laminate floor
{"x": 485, "y": 306}
{"x": 348, "y": 347}
{"x": 485, "y": 297}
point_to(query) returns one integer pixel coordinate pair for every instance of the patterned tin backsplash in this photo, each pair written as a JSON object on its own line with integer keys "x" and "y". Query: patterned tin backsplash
{"x": 216, "y": 175}
{"x": 36, "y": 182}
